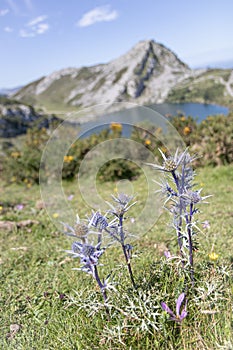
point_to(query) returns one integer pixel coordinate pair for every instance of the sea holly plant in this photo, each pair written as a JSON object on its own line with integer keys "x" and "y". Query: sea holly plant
{"x": 117, "y": 231}
{"x": 181, "y": 201}
{"x": 178, "y": 316}
{"x": 88, "y": 253}
{"x": 96, "y": 228}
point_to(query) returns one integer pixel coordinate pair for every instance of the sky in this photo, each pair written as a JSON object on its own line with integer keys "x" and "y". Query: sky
{"x": 39, "y": 37}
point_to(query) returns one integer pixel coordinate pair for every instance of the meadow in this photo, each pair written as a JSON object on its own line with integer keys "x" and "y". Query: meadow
{"x": 46, "y": 305}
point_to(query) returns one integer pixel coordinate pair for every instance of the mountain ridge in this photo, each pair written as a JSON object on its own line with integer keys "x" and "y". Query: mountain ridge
{"x": 148, "y": 73}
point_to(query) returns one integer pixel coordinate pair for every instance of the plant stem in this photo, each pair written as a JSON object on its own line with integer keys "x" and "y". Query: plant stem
{"x": 102, "y": 288}
{"x": 178, "y": 229}
{"x": 190, "y": 243}
{"x": 127, "y": 258}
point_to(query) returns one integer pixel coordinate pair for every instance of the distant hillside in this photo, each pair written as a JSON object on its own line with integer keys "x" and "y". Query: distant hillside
{"x": 16, "y": 118}
{"x": 148, "y": 73}
{"x": 9, "y": 92}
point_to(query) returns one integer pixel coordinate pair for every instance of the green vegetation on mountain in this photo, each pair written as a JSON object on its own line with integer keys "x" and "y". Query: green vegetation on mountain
{"x": 212, "y": 86}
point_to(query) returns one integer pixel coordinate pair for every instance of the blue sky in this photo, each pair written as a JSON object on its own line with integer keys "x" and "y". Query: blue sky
{"x": 41, "y": 36}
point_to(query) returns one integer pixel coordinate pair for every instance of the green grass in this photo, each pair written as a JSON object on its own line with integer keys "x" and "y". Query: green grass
{"x": 59, "y": 308}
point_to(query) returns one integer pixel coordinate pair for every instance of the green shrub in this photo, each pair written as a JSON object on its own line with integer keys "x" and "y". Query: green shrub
{"x": 214, "y": 140}
{"x": 22, "y": 164}
{"x": 117, "y": 169}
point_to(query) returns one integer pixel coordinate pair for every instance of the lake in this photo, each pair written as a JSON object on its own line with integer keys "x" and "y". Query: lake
{"x": 136, "y": 115}
{"x": 197, "y": 110}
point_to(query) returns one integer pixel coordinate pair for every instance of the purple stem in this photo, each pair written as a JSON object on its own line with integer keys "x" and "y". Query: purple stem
{"x": 190, "y": 243}
{"x": 180, "y": 218}
{"x": 127, "y": 257}
{"x": 102, "y": 288}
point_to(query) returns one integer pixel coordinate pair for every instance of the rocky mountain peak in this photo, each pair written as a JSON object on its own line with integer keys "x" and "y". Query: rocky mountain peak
{"x": 145, "y": 74}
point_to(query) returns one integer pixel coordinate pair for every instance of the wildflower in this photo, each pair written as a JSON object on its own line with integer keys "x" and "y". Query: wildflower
{"x": 179, "y": 316}
{"x": 147, "y": 142}
{"x": 55, "y": 215}
{"x": 170, "y": 163}
{"x": 80, "y": 229}
{"x": 182, "y": 118}
{"x": 98, "y": 221}
{"x": 186, "y": 130}
{"x": 89, "y": 255}
{"x": 1, "y": 208}
{"x": 167, "y": 254}
{"x": 116, "y": 126}
{"x": 116, "y": 231}
{"x": 122, "y": 206}
{"x": 213, "y": 256}
{"x": 15, "y": 154}
{"x": 206, "y": 224}
{"x": 193, "y": 197}
{"x": 70, "y": 197}
{"x": 19, "y": 207}
{"x": 68, "y": 159}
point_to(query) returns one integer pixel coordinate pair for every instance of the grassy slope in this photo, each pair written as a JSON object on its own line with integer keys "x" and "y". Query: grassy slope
{"x": 206, "y": 88}
{"x": 58, "y": 308}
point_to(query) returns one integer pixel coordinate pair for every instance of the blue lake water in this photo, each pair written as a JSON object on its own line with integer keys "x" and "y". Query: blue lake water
{"x": 137, "y": 115}
{"x": 196, "y": 110}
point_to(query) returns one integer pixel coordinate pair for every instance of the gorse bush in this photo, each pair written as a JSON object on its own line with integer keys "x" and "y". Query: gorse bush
{"x": 118, "y": 169}
{"x": 22, "y": 164}
{"x": 212, "y": 139}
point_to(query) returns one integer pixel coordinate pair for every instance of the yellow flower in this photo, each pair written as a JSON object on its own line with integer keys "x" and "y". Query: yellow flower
{"x": 182, "y": 118}
{"x": 68, "y": 159}
{"x": 116, "y": 126}
{"x": 1, "y": 208}
{"x": 147, "y": 142}
{"x": 15, "y": 154}
{"x": 186, "y": 130}
{"x": 55, "y": 215}
{"x": 213, "y": 256}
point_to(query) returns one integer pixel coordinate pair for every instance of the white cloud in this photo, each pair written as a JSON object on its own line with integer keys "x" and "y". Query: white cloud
{"x": 98, "y": 14}
{"x": 35, "y": 27}
{"x": 4, "y": 12}
{"x": 8, "y": 29}
{"x": 37, "y": 20}
{"x": 26, "y": 34}
{"x": 42, "y": 28}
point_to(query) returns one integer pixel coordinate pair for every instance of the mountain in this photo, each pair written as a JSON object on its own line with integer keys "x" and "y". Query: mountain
{"x": 148, "y": 73}
{"x": 9, "y": 92}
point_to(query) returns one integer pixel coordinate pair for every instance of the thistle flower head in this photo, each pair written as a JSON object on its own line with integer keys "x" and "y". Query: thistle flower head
{"x": 123, "y": 204}
{"x": 98, "y": 221}
{"x": 89, "y": 255}
{"x": 122, "y": 198}
{"x": 79, "y": 230}
{"x": 178, "y": 317}
{"x": 193, "y": 197}
{"x": 170, "y": 163}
